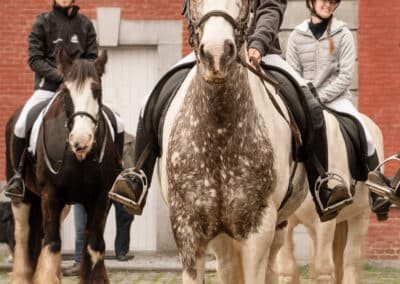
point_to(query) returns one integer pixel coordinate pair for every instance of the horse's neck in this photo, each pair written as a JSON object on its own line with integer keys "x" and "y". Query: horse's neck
{"x": 221, "y": 106}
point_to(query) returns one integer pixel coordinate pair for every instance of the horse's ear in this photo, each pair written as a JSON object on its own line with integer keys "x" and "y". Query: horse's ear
{"x": 64, "y": 61}
{"x": 100, "y": 62}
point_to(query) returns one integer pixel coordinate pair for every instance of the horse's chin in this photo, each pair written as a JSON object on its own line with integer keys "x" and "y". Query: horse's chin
{"x": 215, "y": 79}
{"x": 81, "y": 155}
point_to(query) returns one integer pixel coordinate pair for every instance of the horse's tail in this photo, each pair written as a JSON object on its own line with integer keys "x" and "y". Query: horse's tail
{"x": 339, "y": 244}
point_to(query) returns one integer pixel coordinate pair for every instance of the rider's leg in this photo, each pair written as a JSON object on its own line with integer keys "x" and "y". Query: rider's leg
{"x": 379, "y": 205}
{"x": 15, "y": 186}
{"x": 328, "y": 196}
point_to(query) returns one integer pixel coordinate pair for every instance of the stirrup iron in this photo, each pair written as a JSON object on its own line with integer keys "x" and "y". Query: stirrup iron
{"x": 338, "y": 205}
{"x": 16, "y": 197}
{"x": 385, "y": 190}
{"x": 136, "y": 206}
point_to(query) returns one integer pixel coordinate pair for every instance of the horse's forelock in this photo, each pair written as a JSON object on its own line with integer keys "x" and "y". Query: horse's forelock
{"x": 82, "y": 70}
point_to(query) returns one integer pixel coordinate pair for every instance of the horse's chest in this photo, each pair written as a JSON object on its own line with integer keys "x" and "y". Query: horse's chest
{"x": 226, "y": 173}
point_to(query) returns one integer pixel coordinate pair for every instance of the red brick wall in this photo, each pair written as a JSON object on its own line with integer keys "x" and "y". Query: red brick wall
{"x": 16, "y": 18}
{"x": 383, "y": 240}
{"x": 379, "y": 89}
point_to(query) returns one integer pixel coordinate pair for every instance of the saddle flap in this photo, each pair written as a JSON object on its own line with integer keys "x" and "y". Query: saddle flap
{"x": 356, "y": 144}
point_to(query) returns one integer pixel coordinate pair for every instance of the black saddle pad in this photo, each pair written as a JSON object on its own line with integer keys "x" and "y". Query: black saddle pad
{"x": 160, "y": 100}
{"x": 356, "y": 144}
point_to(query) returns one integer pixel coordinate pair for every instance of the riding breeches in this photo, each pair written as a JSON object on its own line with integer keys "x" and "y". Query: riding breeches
{"x": 346, "y": 106}
{"x": 38, "y": 97}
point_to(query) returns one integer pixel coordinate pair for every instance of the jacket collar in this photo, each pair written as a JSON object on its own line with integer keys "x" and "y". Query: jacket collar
{"x": 63, "y": 11}
{"x": 337, "y": 26}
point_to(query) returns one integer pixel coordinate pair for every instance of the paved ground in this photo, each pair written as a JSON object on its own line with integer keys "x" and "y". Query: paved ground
{"x": 165, "y": 268}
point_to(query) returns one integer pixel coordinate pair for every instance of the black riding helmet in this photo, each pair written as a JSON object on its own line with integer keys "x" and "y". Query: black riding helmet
{"x": 312, "y": 8}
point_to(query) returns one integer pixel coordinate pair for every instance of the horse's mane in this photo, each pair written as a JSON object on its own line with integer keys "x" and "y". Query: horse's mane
{"x": 81, "y": 70}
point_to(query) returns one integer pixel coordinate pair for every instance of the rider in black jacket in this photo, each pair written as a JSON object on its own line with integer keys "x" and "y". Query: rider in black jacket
{"x": 62, "y": 27}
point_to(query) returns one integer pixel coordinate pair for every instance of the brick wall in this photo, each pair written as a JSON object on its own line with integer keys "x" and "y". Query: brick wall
{"x": 379, "y": 89}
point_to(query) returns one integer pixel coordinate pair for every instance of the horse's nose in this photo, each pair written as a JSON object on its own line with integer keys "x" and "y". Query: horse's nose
{"x": 217, "y": 58}
{"x": 80, "y": 147}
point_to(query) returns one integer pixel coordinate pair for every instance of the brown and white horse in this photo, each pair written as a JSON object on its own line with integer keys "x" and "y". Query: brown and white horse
{"x": 74, "y": 131}
{"x": 336, "y": 244}
{"x": 227, "y": 154}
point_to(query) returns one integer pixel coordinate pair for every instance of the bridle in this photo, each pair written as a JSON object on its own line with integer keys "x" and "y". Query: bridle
{"x": 239, "y": 26}
{"x": 67, "y": 104}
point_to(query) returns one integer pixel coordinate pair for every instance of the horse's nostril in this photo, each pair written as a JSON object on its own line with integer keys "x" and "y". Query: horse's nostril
{"x": 202, "y": 54}
{"x": 229, "y": 48}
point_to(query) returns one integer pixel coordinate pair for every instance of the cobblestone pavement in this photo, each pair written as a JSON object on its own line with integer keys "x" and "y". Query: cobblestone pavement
{"x": 368, "y": 276}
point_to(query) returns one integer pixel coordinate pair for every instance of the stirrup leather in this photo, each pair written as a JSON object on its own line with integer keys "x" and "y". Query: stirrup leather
{"x": 389, "y": 191}
{"x": 16, "y": 196}
{"x": 338, "y": 205}
{"x": 124, "y": 175}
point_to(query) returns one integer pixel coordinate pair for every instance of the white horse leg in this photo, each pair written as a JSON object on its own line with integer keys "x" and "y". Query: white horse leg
{"x": 187, "y": 278}
{"x": 323, "y": 259}
{"x": 279, "y": 238}
{"x": 48, "y": 269}
{"x": 358, "y": 227}
{"x": 256, "y": 248}
{"x": 22, "y": 271}
{"x": 229, "y": 259}
{"x": 286, "y": 267}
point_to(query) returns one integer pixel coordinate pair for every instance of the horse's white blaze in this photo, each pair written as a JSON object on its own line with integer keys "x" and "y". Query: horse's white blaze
{"x": 95, "y": 256}
{"x": 84, "y": 129}
{"x": 21, "y": 273}
{"x": 48, "y": 267}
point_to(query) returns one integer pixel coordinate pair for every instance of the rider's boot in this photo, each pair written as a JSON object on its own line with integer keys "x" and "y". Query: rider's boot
{"x": 379, "y": 205}
{"x": 130, "y": 187}
{"x": 119, "y": 146}
{"x": 329, "y": 190}
{"x": 15, "y": 187}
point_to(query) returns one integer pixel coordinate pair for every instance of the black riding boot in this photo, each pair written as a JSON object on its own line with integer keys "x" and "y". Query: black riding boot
{"x": 130, "y": 187}
{"x": 15, "y": 188}
{"x": 379, "y": 205}
{"x": 119, "y": 146}
{"x": 328, "y": 201}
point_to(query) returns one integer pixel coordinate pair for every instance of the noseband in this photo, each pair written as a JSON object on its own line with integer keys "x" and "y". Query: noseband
{"x": 239, "y": 27}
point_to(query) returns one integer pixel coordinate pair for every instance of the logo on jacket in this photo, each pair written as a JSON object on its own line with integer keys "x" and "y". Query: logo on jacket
{"x": 74, "y": 39}
{"x": 57, "y": 40}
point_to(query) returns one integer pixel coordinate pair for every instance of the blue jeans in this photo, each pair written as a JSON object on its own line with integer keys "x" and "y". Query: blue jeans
{"x": 80, "y": 222}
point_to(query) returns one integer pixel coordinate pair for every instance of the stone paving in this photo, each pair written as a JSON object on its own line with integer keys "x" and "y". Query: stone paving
{"x": 165, "y": 268}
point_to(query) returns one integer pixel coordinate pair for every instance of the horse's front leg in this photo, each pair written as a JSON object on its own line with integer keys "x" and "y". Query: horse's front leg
{"x": 22, "y": 270}
{"x": 256, "y": 248}
{"x": 356, "y": 233}
{"x": 48, "y": 267}
{"x": 285, "y": 261}
{"x": 229, "y": 259}
{"x": 93, "y": 270}
{"x": 323, "y": 266}
{"x": 189, "y": 237}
